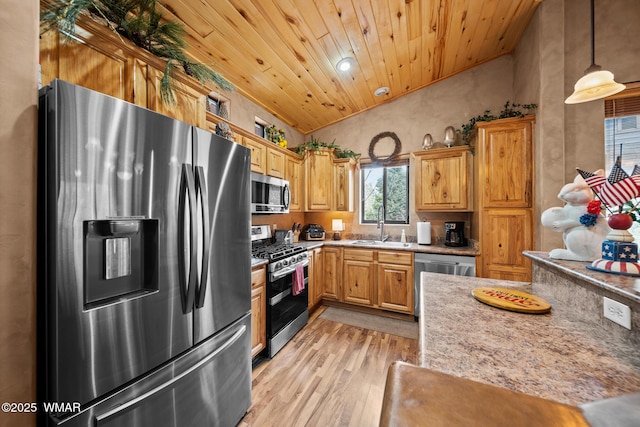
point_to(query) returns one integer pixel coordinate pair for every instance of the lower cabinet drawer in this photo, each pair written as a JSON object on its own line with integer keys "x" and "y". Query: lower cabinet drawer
{"x": 359, "y": 254}
{"x": 403, "y": 258}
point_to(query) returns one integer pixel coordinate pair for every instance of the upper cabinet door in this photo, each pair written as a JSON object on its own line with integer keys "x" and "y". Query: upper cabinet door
{"x": 319, "y": 180}
{"x": 190, "y": 105}
{"x": 443, "y": 180}
{"x": 507, "y": 159}
{"x": 275, "y": 163}
{"x": 295, "y": 176}
{"x": 258, "y": 154}
{"x": 343, "y": 185}
{"x": 104, "y": 67}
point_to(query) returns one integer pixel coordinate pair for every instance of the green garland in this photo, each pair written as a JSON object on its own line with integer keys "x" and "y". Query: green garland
{"x": 509, "y": 110}
{"x": 315, "y": 144}
{"x": 140, "y": 22}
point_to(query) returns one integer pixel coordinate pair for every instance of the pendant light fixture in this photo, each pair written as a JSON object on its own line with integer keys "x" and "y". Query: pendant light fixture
{"x": 596, "y": 82}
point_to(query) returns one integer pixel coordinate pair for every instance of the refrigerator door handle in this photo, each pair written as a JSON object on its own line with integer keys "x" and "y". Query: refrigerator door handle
{"x": 103, "y": 418}
{"x": 201, "y": 187}
{"x": 187, "y": 273}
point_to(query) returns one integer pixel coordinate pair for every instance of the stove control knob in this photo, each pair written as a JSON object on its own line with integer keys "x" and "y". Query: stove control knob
{"x": 278, "y": 265}
{"x": 301, "y": 257}
{"x": 285, "y": 262}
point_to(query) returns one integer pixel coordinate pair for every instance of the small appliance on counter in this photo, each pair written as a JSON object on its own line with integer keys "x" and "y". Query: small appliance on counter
{"x": 454, "y": 233}
{"x": 312, "y": 232}
{"x": 424, "y": 233}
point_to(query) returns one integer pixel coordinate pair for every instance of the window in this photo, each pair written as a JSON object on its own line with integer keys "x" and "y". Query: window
{"x": 621, "y": 132}
{"x": 218, "y": 105}
{"x": 622, "y": 135}
{"x": 213, "y": 106}
{"x": 260, "y": 126}
{"x": 385, "y": 187}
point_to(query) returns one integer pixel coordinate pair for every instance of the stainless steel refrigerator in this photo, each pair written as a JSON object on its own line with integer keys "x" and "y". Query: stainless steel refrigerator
{"x": 144, "y": 267}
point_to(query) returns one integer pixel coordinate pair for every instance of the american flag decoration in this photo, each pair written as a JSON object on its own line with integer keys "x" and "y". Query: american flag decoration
{"x": 618, "y": 188}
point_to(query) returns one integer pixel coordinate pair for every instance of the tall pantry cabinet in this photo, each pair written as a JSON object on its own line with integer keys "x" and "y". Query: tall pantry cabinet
{"x": 502, "y": 219}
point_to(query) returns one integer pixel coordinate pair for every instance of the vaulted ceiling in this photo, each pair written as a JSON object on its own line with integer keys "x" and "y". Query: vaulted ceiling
{"x": 282, "y": 54}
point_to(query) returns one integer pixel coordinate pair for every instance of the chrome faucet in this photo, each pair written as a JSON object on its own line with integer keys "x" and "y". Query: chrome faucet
{"x": 383, "y": 238}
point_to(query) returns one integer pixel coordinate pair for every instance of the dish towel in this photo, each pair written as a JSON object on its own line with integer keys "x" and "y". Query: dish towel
{"x": 298, "y": 280}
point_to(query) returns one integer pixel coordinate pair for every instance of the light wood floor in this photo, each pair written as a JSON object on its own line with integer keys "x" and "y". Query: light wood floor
{"x": 329, "y": 374}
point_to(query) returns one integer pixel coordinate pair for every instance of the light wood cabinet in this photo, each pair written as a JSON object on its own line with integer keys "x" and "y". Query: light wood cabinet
{"x": 343, "y": 171}
{"x": 359, "y": 277}
{"x": 506, "y": 163}
{"x": 329, "y": 182}
{"x": 258, "y": 310}
{"x": 295, "y": 176}
{"x": 258, "y": 154}
{"x": 105, "y": 67}
{"x": 316, "y": 277}
{"x": 371, "y": 278}
{"x": 379, "y": 279}
{"x": 332, "y": 272}
{"x": 115, "y": 66}
{"x": 502, "y": 221}
{"x": 443, "y": 180}
{"x": 189, "y": 107}
{"x": 275, "y": 163}
{"x": 395, "y": 281}
{"x": 319, "y": 180}
{"x": 509, "y": 234}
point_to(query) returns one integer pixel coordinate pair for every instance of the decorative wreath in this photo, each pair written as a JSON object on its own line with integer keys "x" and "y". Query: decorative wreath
{"x": 393, "y": 155}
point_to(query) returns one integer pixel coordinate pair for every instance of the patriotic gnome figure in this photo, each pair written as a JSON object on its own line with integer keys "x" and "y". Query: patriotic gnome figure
{"x": 582, "y": 239}
{"x": 618, "y": 193}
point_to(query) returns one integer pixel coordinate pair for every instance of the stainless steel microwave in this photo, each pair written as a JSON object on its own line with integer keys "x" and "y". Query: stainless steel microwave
{"x": 269, "y": 195}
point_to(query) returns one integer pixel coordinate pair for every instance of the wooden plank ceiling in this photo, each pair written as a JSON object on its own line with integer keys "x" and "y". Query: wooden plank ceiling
{"x": 281, "y": 54}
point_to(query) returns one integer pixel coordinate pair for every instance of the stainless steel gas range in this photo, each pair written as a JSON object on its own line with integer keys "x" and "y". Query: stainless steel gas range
{"x": 287, "y": 281}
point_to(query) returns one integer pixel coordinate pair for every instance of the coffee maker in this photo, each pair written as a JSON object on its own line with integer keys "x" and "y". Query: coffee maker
{"x": 454, "y": 233}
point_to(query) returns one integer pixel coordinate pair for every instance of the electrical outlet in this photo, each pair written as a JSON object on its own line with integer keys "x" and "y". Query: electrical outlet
{"x": 617, "y": 312}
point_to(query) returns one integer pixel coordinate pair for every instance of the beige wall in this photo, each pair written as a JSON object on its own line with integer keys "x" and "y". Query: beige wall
{"x": 18, "y": 97}
{"x": 243, "y": 113}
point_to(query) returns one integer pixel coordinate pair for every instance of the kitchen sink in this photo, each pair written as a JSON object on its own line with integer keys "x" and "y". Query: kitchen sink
{"x": 380, "y": 244}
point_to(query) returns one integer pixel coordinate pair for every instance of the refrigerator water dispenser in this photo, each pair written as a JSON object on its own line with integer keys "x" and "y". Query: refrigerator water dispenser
{"x": 120, "y": 259}
{"x": 117, "y": 257}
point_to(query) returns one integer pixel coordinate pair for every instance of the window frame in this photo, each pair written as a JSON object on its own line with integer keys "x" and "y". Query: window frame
{"x": 263, "y": 124}
{"x": 397, "y": 163}
{"x": 628, "y": 105}
{"x": 619, "y": 106}
{"x": 217, "y": 101}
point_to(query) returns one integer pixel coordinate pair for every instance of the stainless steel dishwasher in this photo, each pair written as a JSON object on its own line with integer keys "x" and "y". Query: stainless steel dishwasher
{"x": 459, "y": 265}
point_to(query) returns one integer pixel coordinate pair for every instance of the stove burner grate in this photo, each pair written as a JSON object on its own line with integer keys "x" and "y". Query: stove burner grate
{"x": 275, "y": 251}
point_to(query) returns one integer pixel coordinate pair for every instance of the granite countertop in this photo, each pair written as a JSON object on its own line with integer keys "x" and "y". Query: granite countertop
{"x": 437, "y": 248}
{"x": 626, "y": 286}
{"x": 257, "y": 262}
{"x": 544, "y": 355}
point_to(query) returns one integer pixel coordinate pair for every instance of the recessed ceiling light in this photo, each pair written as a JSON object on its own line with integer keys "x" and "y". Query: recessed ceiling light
{"x": 345, "y": 64}
{"x": 381, "y": 91}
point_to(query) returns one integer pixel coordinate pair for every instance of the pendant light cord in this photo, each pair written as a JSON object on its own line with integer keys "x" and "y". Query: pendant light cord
{"x": 593, "y": 42}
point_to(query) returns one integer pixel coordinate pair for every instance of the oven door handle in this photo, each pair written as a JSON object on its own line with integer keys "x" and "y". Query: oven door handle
{"x": 285, "y": 271}
{"x": 282, "y": 295}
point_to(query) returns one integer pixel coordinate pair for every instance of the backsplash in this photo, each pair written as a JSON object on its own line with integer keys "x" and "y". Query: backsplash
{"x": 355, "y": 231}
{"x": 282, "y": 221}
